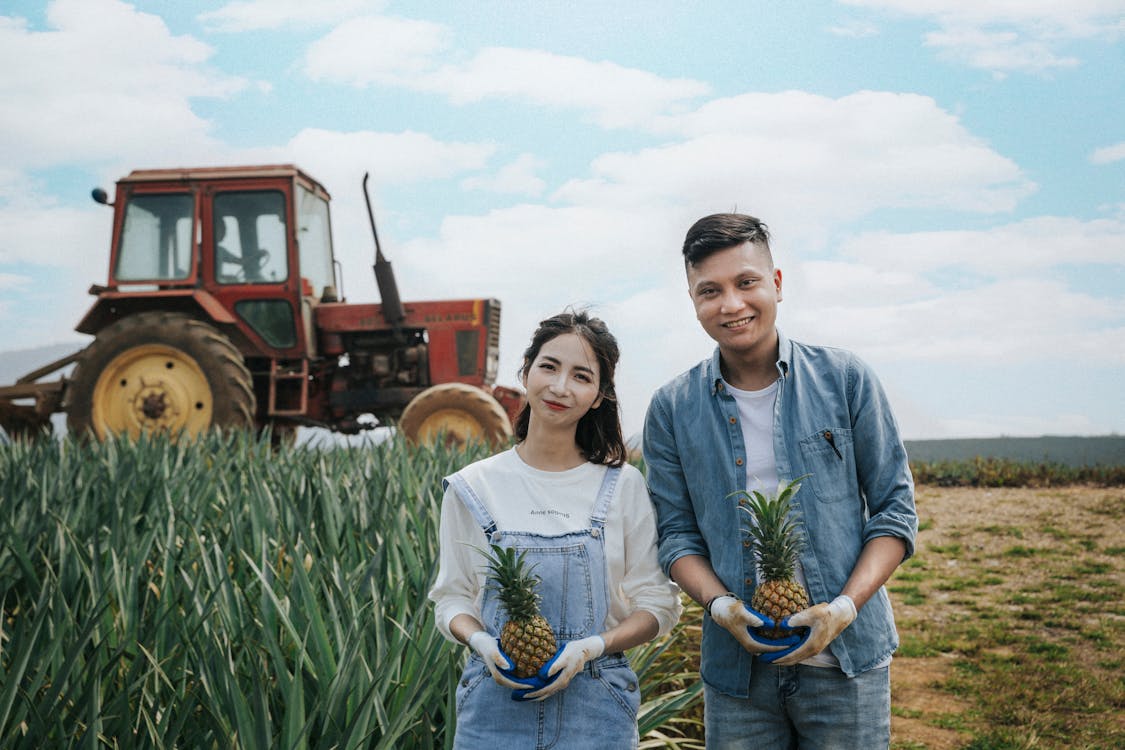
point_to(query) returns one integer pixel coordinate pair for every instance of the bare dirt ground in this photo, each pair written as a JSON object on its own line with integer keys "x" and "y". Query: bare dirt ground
{"x": 963, "y": 530}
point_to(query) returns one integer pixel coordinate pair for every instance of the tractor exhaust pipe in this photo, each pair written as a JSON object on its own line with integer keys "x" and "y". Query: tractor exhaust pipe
{"x": 384, "y": 274}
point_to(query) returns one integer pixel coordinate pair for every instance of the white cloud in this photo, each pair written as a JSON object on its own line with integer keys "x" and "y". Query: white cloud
{"x": 516, "y": 178}
{"x": 1006, "y": 36}
{"x": 990, "y": 296}
{"x": 104, "y": 75}
{"x": 12, "y": 280}
{"x": 614, "y": 95}
{"x": 393, "y": 158}
{"x": 377, "y": 50}
{"x": 1025, "y": 247}
{"x": 414, "y": 54}
{"x": 1001, "y": 52}
{"x": 854, "y": 29}
{"x": 1108, "y": 154}
{"x": 804, "y": 162}
{"x": 251, "y": 15}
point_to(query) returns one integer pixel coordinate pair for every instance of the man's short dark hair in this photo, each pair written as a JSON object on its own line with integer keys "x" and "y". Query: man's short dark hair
{"x": 720, "y": 231}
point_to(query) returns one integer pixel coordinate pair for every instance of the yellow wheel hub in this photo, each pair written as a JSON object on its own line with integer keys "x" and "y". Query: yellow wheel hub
{"x": 149, "y": 389}
{"x": 458, "y": 426}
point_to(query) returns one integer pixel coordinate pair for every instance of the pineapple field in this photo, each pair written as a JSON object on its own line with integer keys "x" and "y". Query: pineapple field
{"x": 224, "y": 595}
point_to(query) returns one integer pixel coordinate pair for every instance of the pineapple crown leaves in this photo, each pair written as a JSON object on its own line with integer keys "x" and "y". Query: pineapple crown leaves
{"x": 774, "y": 534}
{"x": 511, "y": 577}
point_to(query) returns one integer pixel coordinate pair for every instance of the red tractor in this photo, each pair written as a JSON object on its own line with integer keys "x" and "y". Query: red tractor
{"x": 222, "y": 310}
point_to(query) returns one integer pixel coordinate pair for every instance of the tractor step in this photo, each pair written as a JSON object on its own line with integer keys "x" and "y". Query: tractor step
{"x": 289, "y": 387}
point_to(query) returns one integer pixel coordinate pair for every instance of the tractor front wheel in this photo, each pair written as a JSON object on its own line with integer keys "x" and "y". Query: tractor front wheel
{"x": 159, "y": 372}
{"x": 458, "y": 413}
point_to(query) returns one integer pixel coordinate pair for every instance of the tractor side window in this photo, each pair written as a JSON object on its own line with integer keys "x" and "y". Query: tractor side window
{"x": 249, "y": 232}
{"x": 271, "y": 318}
{"x": 314, "y": 240}
{"x": 156, "y": 238}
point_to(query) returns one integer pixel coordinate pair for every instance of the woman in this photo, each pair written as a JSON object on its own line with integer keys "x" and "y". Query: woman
{"x": 565, "y": 497}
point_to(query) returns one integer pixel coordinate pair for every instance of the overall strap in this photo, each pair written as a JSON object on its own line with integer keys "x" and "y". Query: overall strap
{"x": 605, "y": 494}
{"x": 472, "y": 501}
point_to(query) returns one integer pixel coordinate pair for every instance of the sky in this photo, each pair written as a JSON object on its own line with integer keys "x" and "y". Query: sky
{"x": 944, "y": 180}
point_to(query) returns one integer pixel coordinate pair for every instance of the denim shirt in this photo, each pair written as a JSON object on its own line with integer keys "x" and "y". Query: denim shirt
{"x": 833, "y": 423}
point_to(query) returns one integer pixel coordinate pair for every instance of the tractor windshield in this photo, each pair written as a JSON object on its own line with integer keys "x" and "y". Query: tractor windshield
{"x": 156, "y": 238}
{"x": 250, "y": 237}
{"x": 314, "y": 238}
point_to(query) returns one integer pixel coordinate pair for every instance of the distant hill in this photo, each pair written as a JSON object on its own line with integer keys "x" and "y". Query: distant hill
{"x": 1108, "y": 450}
{"x": 17, "y": 363}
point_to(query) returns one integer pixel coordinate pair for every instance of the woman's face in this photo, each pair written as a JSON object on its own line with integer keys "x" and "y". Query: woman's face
{"x": 562, "y": 381}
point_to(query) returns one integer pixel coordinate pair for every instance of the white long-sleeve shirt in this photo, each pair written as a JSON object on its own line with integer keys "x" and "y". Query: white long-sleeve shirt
{"x": 522, "y": 498}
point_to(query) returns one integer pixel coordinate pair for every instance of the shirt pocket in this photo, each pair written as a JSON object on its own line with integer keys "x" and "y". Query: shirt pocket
{"x": 829, "y": 461}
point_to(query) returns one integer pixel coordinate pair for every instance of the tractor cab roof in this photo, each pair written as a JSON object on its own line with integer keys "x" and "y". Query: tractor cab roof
{"x": 196, "y": 174}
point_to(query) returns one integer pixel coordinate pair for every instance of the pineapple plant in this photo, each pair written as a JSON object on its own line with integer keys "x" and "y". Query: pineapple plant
{"x": 526, "y": 637}
{"x": 776, "y": 544}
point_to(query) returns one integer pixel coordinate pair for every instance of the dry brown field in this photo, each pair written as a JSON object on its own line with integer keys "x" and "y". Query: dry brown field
{"x": 1012, "y": 622}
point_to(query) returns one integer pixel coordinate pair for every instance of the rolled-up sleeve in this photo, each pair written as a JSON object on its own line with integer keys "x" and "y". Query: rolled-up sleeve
{"x": 882, "y": 465}
{"x": 677, "y": 530}
{"x": 457, "y": 587}
{"x": 644, "y": 585}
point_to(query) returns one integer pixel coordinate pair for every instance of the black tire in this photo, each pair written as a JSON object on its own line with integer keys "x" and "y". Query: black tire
{"x": 457, "y": 412}
{"x": 159, "y": 372}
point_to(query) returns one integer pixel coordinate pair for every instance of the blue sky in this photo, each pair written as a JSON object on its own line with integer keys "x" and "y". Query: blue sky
{"x": 944, "y": 179}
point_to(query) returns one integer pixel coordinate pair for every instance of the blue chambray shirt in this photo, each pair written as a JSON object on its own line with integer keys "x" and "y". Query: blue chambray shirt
{"x": 694, "y": 453}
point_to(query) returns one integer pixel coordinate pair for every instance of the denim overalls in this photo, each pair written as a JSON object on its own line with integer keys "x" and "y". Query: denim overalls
{"x": 598, "y": 709}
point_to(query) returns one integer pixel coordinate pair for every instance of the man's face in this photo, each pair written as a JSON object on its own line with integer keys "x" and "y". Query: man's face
{"x": 735, "y": 292}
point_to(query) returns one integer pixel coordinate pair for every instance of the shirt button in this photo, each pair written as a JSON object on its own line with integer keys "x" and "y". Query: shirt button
{"x": 719, "y": 387}
{"x": 733, "y": 420}
{"x": 746, "y": 543}
{"x": 596, "y": 533}
{"x": 749, "y": 581}
{"x": 738, "y": 462}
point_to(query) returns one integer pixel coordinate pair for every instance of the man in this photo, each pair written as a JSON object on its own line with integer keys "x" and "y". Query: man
{"x": 760, "y": 411}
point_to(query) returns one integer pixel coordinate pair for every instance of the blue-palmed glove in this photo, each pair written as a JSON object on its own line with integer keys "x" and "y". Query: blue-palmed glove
{"x": 567, "y": 662}
{"x": 819, "y": 626}
{"x": 740, "y": 620}
{"x": 498, "y": 664}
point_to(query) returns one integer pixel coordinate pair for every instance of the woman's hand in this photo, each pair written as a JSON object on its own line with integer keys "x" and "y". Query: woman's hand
{"x": 568, "y": 662}
{"x": 488, "y": 648}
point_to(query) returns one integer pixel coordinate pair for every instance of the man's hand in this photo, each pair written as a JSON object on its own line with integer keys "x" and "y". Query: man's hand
{"x": 565, "y": 664}
{"x": 737, "y": 617}
{"x": 824, "y": 623}
{"x": 488, "y": 648}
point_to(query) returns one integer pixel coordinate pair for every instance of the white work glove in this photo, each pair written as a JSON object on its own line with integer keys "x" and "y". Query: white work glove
{"x": 824, "y": 621}
{"x": 488, "y": 648}
{"x": 566, "y": 663}
{"x": 736, "y": 616}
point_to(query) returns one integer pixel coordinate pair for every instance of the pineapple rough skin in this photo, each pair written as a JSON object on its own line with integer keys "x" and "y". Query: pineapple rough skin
{"x": 526, "y": 637}
{"x": 776, "y": 545}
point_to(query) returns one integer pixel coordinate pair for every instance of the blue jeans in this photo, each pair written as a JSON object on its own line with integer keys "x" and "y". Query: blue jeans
{"x": 811, "y": 708}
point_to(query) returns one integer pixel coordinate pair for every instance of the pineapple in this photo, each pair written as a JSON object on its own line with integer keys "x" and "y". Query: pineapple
{"x": 526, "y": 637}
{"x": 776, "y": 546}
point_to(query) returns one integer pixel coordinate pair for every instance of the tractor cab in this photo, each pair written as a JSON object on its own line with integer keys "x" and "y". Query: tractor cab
{"x": 249, "y": 247}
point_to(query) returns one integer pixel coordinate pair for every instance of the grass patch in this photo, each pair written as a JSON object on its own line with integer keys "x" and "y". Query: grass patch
{"x": 911, "y": 595}
{"x": 1020, "y": 620}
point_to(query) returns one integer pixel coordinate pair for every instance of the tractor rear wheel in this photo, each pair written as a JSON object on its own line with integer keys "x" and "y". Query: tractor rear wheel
{"x": 457, "y": 412}
{"x": 158, "y": 372}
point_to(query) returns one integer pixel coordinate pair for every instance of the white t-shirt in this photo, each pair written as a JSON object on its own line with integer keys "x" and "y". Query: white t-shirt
{"x": 522, "y": 498}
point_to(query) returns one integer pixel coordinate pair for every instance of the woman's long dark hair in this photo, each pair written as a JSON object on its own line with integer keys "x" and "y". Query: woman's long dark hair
{"x": 599, "y": 431}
